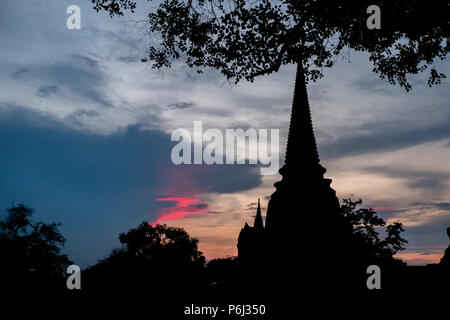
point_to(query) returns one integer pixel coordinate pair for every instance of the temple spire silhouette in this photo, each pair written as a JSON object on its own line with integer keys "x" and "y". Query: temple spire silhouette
{"x": 258, "y": 224}
{"x": 303, "y": 216}
{"x": 252, "y": 246}
{"x": 302, "y": 174}
{"x": 301, "y": 133}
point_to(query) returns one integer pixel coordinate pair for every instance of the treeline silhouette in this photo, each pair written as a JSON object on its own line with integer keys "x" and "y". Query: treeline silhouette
{"x": 30, "y": 252}
{"x": 162, "y": 265}
{"x": 159, "y": 257}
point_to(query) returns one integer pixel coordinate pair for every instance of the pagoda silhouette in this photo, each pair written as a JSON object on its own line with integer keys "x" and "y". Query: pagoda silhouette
{"x": 252, "y": 244}
{"x": 303, "y": 220}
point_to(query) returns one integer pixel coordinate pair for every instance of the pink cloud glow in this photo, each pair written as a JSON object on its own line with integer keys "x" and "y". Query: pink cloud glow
{"x": 182, "y": 207}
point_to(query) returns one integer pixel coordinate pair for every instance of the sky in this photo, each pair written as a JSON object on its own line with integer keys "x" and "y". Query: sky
{"x": 85, "y": 136}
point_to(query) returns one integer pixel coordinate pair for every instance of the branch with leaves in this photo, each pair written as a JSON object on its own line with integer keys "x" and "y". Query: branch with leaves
{"x": 247, "y": 39}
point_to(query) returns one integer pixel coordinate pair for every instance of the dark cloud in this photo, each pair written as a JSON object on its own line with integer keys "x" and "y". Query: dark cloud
{"x": 77, "y": 118}
{"x": 129, "y": 59}
{"x": 28, "y": 117}
{"x": 83, "y": 112}
{"x": 46, "y": 91}
{"x": 428, "y": 180}
{"x": 390, "y": 213}
{"x": 20, "y": 73}
{"x": 427, "y": 183}
{"x": 432, "y": 205}
{"x": 98, "y": 185}
{"x": 228, "y": 178}
{"x": 429, "y": 237}
{"x": 200, "y": 206}
{"x": 383, "y": 137}
{"x": 191, "y": 179}
{"x": 181, "y": 105}
{"x": 372, "y": 83}
{"x": 85, "y": 60}
{"x": 79, "y": 76}
{"x": 443, "y": 206}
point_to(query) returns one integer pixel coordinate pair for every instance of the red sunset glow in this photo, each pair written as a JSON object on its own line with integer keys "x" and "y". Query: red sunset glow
{"x": 183, "y": 206}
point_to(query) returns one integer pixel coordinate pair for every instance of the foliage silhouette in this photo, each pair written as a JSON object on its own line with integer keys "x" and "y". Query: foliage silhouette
{"x": 246, "y": 39}
{"x": 31, "y": 252}
{"x": 366, "y": 227}
{"x": 222, "y": 271}
{"x": 162, "y": 256}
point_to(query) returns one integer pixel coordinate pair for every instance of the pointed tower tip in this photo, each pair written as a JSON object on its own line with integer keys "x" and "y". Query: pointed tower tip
{"x": 301, "y": 148}
{"x": 258, "y": 224}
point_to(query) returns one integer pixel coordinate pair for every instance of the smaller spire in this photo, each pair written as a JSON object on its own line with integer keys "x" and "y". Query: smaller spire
{"x": 258, "y": 219}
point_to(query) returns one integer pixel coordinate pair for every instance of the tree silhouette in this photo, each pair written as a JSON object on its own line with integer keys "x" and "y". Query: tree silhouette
{"x": 246, "y": 39}
{"x": 161, "y": 256}
{"x": 366, "y": 232}
{"x": 222, "y": 271}
{"x": 31, "y": 252}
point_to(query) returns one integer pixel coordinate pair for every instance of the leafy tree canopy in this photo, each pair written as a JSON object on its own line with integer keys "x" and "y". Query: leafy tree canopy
{"x": 160, "y": 257}
{"x": 366, "y": 231}
{"x": 245, "y": 39}
{"x": 161, "y": 243}
{"x": 30, "y": 250}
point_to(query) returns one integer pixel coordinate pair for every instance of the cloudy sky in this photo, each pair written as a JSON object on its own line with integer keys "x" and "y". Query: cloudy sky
{"x": 85, "y": 136}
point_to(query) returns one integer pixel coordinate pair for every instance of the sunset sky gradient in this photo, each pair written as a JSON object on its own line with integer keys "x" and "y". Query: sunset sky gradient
{"x": 85, "y": 136}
